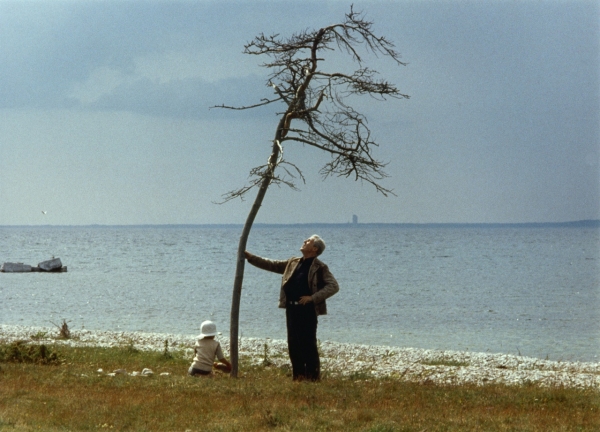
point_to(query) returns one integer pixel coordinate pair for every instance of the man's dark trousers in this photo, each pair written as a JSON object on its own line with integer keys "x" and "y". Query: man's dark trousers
{"x": 302, "y": 341}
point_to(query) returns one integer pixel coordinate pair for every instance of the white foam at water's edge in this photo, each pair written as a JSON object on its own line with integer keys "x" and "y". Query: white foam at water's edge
{"x": 411, "y": 364}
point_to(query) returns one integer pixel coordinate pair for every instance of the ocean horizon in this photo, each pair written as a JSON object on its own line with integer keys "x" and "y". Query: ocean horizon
{"x": 577, "y": 223}
{"x": 532, "y": 289}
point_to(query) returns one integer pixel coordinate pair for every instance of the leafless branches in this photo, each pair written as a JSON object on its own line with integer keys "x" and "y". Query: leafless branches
{"x": 259, "y": 173}
{"x": 319, "y": 100}
{"x": 317, "y": 112}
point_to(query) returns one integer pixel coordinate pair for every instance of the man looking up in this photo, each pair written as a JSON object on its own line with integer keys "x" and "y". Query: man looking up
{"x": 305, "y": 285}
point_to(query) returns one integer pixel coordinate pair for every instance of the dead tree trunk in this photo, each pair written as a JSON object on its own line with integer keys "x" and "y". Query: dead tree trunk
{"x": 241, "y": 260}
{"x": 316, "y": 100}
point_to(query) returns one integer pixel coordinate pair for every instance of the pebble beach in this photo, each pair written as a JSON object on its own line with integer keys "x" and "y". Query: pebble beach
{"x": 342, "y": 359}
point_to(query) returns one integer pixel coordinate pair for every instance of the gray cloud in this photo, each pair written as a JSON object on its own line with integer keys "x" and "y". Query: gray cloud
{"x": 502, "y": 124}
{"x": 51, "y": 47}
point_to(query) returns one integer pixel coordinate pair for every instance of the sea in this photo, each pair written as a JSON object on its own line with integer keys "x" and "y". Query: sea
{"x": 528, "y": 289}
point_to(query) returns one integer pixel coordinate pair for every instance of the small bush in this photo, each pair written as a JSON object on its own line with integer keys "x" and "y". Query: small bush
{"x": 266, "y": 360}
{"x": 64, "y": 331}
{"x": 21, "y": 352}
{"x": 166, "y": 353}
{"x": 39, "y": 335}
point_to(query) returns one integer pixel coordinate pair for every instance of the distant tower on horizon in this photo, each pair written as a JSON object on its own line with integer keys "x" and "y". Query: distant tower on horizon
{"x": 354, "y": 219}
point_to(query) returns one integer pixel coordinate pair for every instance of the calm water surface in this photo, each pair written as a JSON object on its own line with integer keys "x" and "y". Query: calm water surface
{"x": 533, "y": 291}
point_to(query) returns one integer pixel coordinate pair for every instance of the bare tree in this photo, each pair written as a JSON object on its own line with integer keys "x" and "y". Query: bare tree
{"x": 317, "y": 112}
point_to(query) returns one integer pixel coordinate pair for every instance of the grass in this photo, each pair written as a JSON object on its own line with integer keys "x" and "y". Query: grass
{"x": 72, "y": 396}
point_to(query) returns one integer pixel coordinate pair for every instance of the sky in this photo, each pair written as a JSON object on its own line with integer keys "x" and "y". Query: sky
{"x": 105, "y": 113}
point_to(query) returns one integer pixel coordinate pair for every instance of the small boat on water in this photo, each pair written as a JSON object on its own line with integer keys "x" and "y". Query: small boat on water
{"x": 53, "y": 265}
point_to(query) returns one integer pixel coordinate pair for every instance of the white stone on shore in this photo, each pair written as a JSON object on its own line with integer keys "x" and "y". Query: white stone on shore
{"x": 363, "y": 361}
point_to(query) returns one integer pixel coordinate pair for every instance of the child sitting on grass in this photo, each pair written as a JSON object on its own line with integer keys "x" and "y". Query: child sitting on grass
{"x": 205, "y": 352}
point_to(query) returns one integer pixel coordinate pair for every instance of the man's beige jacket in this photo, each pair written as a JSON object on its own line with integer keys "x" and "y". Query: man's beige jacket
{"x": 321, "y": 282}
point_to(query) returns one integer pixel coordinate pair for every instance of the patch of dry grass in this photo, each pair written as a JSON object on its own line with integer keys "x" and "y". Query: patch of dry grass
{"x": 73, "y": 396}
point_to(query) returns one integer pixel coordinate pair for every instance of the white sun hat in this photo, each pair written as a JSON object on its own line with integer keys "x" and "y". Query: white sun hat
{"x": 207, "y": 328}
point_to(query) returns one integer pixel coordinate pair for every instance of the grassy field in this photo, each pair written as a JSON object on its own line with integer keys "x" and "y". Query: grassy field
{"x": 68, "y": 394}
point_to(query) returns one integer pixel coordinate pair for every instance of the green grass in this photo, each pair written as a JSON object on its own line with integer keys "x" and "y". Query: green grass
{"x": 72, "y": 396}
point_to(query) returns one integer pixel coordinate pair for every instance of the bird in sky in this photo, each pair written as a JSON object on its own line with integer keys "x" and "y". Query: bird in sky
{"x": 44, "y": 212}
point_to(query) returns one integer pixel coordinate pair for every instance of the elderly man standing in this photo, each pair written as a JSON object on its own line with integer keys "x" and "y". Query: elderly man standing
{"x": 305, "y": 285}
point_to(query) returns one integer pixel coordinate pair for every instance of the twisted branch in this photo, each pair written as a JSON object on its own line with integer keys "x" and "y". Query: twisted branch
{"x": 318, "y": 100}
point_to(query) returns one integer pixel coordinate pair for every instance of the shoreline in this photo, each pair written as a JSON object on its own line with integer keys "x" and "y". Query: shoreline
{"x": 345, "y": 359}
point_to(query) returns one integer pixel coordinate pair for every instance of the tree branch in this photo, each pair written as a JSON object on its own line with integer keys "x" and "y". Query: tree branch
{"x": 263, "y": 103}
{"x": 317, "y": 99}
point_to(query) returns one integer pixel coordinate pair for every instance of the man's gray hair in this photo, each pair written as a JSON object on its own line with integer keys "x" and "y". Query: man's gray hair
{"x": 319, "y": 243}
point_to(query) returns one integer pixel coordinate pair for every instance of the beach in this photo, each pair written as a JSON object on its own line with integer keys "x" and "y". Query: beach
{"x": 343, "y": 359}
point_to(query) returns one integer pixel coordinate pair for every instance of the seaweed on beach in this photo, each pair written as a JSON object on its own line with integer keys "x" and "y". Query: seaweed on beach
{"x": 22, "y": 352}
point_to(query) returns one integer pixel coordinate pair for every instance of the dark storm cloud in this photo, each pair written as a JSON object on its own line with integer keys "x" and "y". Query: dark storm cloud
{"x": 51, "y": 47}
